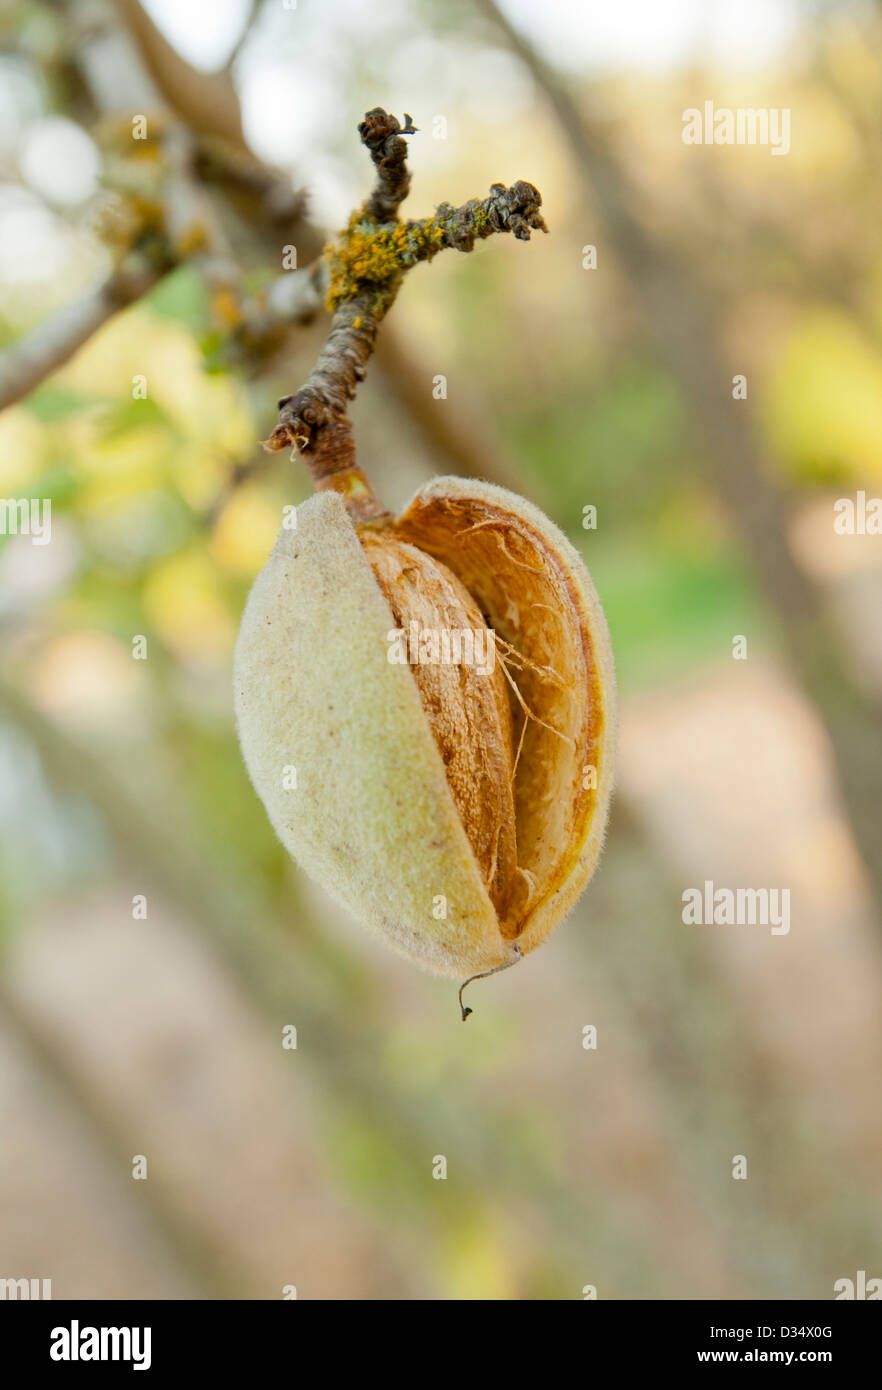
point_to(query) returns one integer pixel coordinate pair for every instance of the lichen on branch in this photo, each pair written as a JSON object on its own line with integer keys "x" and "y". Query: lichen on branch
{"x": 369, "y": 259}
{"x": 366, "y": 266}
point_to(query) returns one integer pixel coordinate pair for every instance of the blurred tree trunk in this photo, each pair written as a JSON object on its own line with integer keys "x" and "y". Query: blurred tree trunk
{"x": 683, "y": 327}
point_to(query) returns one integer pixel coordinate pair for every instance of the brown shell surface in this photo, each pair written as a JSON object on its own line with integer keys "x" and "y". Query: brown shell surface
{"x": 418, "y": 789}
{"x": 465, "y": 701}
{"x": 532, "y": 588}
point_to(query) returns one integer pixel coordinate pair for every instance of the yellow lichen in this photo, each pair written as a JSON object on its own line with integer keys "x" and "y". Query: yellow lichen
{"x": 191, "y": 239}
{"x": 225, "y": 307}
{"x": 368, "y": 258}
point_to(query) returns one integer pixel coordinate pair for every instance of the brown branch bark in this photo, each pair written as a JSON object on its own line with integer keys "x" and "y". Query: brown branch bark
{"x": 27, "y": 363}
{"x": 200, "y": 155}
{"x": 247, "y": 26}
{"x": 367, "y": 266}
{"x": 382, "y": 135}
{"x": 206, "y": 102}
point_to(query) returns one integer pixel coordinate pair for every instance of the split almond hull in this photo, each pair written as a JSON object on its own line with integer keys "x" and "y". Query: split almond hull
{"x": 340, "y": 752}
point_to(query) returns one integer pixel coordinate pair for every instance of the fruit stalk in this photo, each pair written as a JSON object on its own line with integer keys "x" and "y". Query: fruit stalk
{"x": 366, "y": 266}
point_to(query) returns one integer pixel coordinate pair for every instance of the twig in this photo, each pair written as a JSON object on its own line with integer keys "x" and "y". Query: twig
{"x": 206, "y": 101}
{"x": 247, "y": 26}
{"x": 187, "y": 229}
{"x": 264, "y": 196}
{"x": 384, "y": 138}
{"x": 53, "y": 343}
{"x": 367, "y": 265}
{"x": 191, "y": 227}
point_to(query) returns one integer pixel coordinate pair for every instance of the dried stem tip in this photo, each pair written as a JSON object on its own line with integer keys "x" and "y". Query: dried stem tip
{"x": 366, "y": 265}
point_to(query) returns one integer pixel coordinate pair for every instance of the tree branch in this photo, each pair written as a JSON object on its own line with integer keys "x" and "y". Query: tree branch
{"x": 182, "y": 228}
{"x": 260, "y": 201}
{"x": 206, "y": 101}
{"x": 247, "y": 26}
{"x": 48, "y": 347}
{"x": 384, "y": 138}
{"x": 367, "y": 265}
{"x": 684, "y": 326}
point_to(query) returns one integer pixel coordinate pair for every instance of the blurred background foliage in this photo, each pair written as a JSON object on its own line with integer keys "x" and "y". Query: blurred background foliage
{"x": 567, "y": 1167}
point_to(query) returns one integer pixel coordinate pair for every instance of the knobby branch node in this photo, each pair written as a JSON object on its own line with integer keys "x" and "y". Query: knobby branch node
{"x": 365, "y": 267}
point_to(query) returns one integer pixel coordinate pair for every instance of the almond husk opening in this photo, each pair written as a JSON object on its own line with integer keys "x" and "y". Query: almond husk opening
{"x": 465, "y": 697}
{"x": 526, "y": 590}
